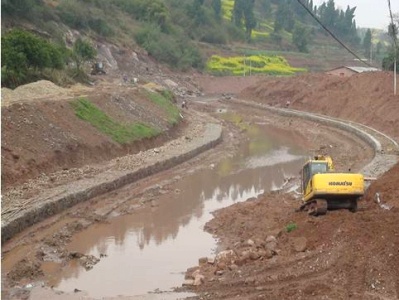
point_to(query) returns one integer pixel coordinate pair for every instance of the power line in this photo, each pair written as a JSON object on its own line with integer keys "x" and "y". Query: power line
{"x": 332, "y": 34}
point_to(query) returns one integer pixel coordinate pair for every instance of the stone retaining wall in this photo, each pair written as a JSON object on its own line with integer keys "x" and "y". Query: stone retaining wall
{"x": 212, "y": 136}
{"x": 381, "y": 162}
{"x": 56, "y": 204}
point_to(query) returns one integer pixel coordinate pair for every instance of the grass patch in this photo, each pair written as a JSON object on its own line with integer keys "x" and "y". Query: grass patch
{"x": 120, "y": 133}
{"x": 164, "y": 100}
{"x": 290, "y": 227}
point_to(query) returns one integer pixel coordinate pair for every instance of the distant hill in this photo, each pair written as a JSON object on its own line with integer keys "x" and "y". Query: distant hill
{"x": 185, "y": 34}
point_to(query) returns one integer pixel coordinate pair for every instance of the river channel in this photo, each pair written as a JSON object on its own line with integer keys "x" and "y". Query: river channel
{"x": 145, "y": 254}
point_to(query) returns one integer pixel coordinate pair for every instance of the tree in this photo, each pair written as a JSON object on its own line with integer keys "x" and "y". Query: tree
{"x": 389, "y": 60}
{"x": 301, "y": 37}
{"x": 330, "y": 14}
{"x": 19, "y": 7}
{"x": 279, "y": 18}
{"x": 342, "y": 23}
{"x": 82, "y": 52}
{"x": 238, "y": 12}
{"x": 367, "y": 43}
{"x": 250, "y": 21}
{"x": 217, "y": 8}
{"x": 379, "y": 47}
{"x": 284, "y": 18}
{"x": 243, "y": 10}
{"x": 198, "y": 12}
{"x": 25, "y": 54}
{"x": 266, "y": 7}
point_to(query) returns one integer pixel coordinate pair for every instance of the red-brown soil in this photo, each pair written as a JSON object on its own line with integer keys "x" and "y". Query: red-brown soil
{"x": 44, "y": 136}
{"x": 366, "y": 98}
{"x": 341, "y": 255}
{"x": 338, "y": 256}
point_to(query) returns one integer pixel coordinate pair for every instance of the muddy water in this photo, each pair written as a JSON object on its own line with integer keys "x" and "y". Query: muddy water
{"x": 146, "y": 253}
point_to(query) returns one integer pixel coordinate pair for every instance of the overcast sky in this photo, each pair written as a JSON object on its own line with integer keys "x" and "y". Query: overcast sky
{"x": 369, "y": 13}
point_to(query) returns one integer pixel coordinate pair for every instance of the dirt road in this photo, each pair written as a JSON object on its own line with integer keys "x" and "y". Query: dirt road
{"x": 323, "y": 258}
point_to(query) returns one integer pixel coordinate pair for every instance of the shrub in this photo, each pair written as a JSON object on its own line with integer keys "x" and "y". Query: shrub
{"x": 290, "y": 227}
{"x": 101, "y": 27}
{"x": 72, "y": 14}
{"x": 28, "y": 9}
{"x": 150, "y": 11}
{"x": 172, "y": 50}
{"x": 214, "y": 36}
{"x": 24, "y": 55}
{"x": 82, "y": 51}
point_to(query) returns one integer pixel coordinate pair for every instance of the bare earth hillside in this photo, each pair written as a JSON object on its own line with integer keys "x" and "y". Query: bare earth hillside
{"x": 365, "y": 98}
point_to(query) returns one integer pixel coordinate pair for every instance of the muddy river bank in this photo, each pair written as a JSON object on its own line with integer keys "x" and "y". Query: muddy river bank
{"x": 139, "y": 240}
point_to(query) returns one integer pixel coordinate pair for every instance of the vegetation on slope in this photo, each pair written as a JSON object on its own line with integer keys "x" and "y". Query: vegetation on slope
{"x": 253, "y": 64}
{"x": 172, "y": 31}
{"x": 27, "y": 57}
{"x": 164, "y": 100}
{"x": 121, "y": 133}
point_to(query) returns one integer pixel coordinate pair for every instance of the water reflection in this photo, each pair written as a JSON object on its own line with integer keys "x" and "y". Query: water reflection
{"x": 152, "y": 248}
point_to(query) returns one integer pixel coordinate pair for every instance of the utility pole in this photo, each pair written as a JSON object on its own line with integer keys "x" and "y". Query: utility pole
{"x": 395, "y": 45}
{"x": 371, "y": 53}
{"x": 394, "y": 74}
{"x": 244, "y": 65}
{"x": 395, "y": 53}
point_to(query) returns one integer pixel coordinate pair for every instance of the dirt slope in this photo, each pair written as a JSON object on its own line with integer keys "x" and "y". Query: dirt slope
{"x": 339, "y": 256}
{"x": 42, "y": 134}
{"x": 365, "y": 98}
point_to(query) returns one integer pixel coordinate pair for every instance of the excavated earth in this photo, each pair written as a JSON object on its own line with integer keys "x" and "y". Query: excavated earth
{"x": 267, "y": 250}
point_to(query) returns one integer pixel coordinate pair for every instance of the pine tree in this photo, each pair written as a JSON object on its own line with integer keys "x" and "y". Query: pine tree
{"x": 367, "y": 43}
{"x": 217, "y": 8}
{"x": 250, "y": 21}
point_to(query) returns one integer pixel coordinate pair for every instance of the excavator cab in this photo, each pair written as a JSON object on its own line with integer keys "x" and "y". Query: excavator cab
{"x": 311, "y": 168}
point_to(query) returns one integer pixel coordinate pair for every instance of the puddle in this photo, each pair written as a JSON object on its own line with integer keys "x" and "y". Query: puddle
{"x": 147, "y": 252}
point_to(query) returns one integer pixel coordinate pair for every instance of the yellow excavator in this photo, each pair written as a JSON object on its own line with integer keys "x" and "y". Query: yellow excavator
{"x": 324, "y": 189}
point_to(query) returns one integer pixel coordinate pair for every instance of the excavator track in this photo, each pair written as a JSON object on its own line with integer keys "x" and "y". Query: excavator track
{"x": 317, "y": 207}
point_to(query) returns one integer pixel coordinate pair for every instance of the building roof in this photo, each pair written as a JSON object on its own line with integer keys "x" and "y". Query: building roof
{"x": 357, "y": 69}
{"x": 363, "y": 69}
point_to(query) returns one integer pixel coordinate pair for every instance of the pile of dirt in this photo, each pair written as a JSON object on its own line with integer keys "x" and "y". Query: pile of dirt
{"x": 277, "y": 253}
{"x": 39, "y": 89}
{"x": 387, "y": 189}
{"x": 366, "y": 98}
